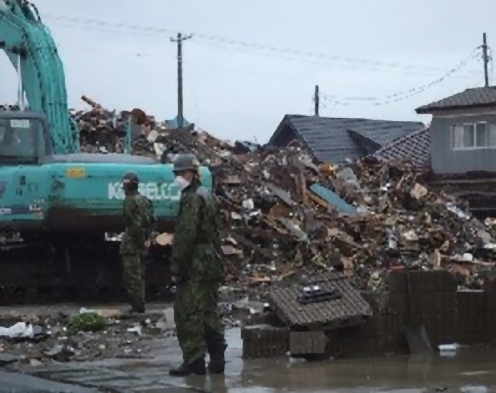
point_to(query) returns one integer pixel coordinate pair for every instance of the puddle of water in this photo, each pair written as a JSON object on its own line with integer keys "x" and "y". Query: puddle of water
{"x": 474, "y": 389}
{"x": 475, "y": 373}
{"x": 470, "y": 371}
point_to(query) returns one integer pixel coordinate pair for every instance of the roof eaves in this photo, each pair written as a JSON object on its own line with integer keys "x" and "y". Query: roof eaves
{"x": 431, "y": 109}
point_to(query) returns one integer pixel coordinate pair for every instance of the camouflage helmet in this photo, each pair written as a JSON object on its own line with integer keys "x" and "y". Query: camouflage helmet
{"x": 130, "y": 178}
{"x": 186, "y": 162}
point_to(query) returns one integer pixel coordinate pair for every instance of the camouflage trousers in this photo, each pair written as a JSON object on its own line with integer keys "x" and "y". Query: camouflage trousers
{"x": 198, "y": 320}
{"x": 134, "y": 279}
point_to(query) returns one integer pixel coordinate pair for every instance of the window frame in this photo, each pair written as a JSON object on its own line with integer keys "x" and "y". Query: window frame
{"x": 37, "y": 133}
{"x": 488, "y": 127}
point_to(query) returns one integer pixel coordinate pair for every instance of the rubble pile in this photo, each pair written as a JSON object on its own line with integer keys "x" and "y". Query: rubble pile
{"x": 283, "y": 212}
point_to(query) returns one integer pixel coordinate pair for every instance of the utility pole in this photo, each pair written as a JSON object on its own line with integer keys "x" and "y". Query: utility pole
{"x": 485, "y": 58}
{"x": 179, "y": 39}
{"x": 316, "y": 100}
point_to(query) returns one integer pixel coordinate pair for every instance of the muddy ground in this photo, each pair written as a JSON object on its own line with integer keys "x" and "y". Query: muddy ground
{"x": 130, "y": 362}
{"x": 122, "y": 335}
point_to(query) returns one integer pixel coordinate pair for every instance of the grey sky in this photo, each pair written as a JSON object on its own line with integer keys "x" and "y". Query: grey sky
{"x": 237, "y": 92}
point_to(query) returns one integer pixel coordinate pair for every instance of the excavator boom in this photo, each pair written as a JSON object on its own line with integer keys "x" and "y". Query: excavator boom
{"x": 33, "y": 53}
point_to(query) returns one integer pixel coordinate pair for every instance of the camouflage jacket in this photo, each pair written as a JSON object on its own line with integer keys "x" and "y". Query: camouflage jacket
{"x": 139, "y": 218}
{"x": 196, "y": 247}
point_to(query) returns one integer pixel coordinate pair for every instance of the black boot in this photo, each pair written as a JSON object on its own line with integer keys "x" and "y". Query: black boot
{"x": 197, "y": 367}
{"x": 217, "y": 345}
{"x": 217, "y": 364}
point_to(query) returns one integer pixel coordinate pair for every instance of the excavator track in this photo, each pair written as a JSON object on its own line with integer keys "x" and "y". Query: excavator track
{"x": 47, "y": 271}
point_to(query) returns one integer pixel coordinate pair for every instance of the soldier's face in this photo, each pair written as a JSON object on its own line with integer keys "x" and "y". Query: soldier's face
{"x": 128, "y": 187}
{"x": 181, "y": 179}
{"x": 187, "y": 175}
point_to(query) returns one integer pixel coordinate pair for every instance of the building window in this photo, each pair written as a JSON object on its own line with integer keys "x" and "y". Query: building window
{"x": 480, "y": 135}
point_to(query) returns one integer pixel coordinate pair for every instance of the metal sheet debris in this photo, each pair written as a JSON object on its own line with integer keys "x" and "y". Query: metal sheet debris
{"x": 333, "y": 199}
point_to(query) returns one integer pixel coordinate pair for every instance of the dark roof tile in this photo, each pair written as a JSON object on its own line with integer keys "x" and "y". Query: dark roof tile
{"x": 415, "y": 146}
{"x": 329, "y": 139}
{"x": 481, "y": 96}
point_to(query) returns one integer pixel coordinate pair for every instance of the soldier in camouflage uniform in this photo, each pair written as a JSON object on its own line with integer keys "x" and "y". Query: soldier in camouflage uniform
{"x": 198, "y": 271}
{"x": 139, "y": 218}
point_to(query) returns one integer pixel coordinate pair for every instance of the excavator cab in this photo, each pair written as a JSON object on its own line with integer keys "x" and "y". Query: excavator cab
{"x": 23, "y": 138}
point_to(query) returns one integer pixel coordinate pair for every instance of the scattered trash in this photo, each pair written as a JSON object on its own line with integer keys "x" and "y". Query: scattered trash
{"x": 448, "y": 350}
{"x": 167, "y": 322}
{"x": 6, "y": 359}
{"x": 19, "y": 330}
{"x": 60, "y": 353}
{"x": 35, "y": 363}
{"x": 135, "y": 329}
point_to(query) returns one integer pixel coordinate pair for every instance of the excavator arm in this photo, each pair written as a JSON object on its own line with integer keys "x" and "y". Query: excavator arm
{"x": 33, "y": 53}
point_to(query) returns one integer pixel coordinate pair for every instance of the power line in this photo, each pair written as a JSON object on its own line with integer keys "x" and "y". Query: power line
{"x": 335, "y": 100}
{"x": 220, "y": 67}
{"x": 379, "y": 101}
{"x": 306, "y": 56}
{"x": 187, "y": 63}
{"x": 137, "y": 54}
{"x": 326, "y": 64}
{"x": 272, "y": 55}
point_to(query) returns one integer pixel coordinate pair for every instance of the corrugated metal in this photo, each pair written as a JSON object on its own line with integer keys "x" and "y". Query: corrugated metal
{"x": 334, "y": 199}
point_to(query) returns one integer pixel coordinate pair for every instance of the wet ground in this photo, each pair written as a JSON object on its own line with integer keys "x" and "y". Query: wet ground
{"x": 119, "y": 335}
{"x": 151, "y": 356}
{"x": 469, "y": 371}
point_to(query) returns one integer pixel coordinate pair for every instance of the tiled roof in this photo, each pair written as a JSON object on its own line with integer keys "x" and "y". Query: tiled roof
{"x": 329, "y": 138}
{"x": 415, "y": 146}
{"x": 481, "y": 96}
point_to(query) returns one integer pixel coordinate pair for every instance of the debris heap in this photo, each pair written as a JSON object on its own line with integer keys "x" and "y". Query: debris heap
{"x": 284, "y": 212}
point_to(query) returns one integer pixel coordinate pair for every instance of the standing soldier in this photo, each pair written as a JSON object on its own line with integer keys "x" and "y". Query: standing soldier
{"x": 198, "y": 271}
{"x": 138, "y": 218}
